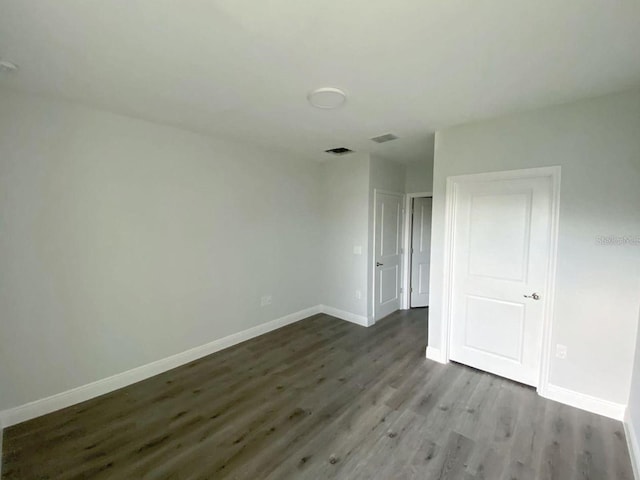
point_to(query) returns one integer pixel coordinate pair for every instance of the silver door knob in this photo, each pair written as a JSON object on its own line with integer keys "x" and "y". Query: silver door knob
{"x": 534, "y": 295}
{"x": 378, "y": 264}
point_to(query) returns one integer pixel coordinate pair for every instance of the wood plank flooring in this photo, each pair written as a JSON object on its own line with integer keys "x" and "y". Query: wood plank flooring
{"x": 321, "y": 399}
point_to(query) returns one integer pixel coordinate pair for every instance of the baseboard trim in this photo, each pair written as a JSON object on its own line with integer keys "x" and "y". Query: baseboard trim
{"x": 633, "y": 442}
{"x": 435, "y": 354}
{"x": 582, "y": 401}
{"x": 348, "y": 316}
{"x": 28, "y": 411}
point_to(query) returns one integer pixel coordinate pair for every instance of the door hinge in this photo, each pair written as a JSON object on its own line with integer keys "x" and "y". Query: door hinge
{"x": 411, "y": 289}
{"x": 400, "y": 290}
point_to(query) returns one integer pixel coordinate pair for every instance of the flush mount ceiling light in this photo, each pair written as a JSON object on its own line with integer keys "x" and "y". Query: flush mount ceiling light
{"x": 327, "y": 98}
{"x": 7, "y": 67}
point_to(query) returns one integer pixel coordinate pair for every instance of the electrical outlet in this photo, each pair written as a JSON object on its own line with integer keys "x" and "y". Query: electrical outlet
{"x": 265, "y": 300}
{"x": 561, "y": 351}
{"x": 358, "y": 294}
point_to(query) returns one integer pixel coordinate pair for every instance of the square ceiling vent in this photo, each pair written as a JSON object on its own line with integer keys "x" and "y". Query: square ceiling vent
{"x": 387, "y": 137}
{"x": 339, "y": 151}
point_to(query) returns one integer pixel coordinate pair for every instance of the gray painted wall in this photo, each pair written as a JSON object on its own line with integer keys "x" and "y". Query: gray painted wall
{"x": 419, "y": 175}
{"x": 123, "y": 242}
{"x": 345, "y": 193}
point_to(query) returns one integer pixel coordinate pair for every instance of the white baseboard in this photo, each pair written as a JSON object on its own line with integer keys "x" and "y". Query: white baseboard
{"x": 633, "y": 443}
{"x": 55, "y": 402}
{"x": 348, "y": 316}
{"x": 582, "y": 401}
{"x": 435, "y": 354}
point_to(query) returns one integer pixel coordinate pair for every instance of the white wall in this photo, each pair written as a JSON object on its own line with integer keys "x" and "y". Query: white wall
{"x": 386, "y": 175}
{"x": 597, "y": 143}
{"x": 345, "y": 194}
{"x": 419, "y": 175}
{"x": 123, "y": 242}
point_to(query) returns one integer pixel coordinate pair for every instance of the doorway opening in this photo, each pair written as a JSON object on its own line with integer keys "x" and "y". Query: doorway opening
{"x": 500, "y": 254}
{"x": 418, "y": 248}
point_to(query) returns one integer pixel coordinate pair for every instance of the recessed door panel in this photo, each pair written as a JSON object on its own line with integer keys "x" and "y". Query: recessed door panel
{"x": 499, "y": 235}
{"x": 423, "y": 279}
{"x": 391, "y": 233}
{"x": 485, "y": 316}
{"x": 388, "y": 284}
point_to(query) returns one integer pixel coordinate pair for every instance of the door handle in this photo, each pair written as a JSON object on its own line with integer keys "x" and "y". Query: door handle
{"x": 378, "y": 264}
{"x": 534, "y": 295}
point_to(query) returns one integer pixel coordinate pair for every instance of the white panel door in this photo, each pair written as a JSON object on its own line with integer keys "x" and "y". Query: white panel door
{"x": 387, "y": 253}
{"x": 420, "y": 252}
{"x": 500, "y": 259}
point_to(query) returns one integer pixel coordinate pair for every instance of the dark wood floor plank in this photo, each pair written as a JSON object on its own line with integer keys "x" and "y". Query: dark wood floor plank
{"x": 451, "y": 462}
{"x": 320, "y": 399}
{"x": 559, "y": 453}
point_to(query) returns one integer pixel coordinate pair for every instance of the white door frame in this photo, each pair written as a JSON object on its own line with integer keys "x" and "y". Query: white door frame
{"x": 549, "y": 291}
{"x": 373, "y": 257}
{"x": 405, "y": 299}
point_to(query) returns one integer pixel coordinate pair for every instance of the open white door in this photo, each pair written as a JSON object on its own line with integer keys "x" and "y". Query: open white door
{"x": 387, "y": 253}
{"x": 420, "y": 252}
{"x": 501, "y": 249}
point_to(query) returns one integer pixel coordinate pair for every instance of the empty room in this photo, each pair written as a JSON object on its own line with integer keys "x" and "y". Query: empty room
{"x": 348, "y": 240}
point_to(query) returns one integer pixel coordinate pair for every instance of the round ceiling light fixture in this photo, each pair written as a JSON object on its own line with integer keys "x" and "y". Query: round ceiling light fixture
{"x": 7, "y": 67}
{"x": 327, "y": 98}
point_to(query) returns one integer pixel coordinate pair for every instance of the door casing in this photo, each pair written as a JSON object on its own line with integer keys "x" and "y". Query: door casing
{"x": 452, "y": 185}
{"x": 403, "y": 255}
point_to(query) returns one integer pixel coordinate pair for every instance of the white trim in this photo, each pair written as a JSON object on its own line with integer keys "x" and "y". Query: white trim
{"x": 55, "y": 402}
{"x": 348, "y": 316}
{"x": 584, "y": 401}
{"x": 449, "y": 221}
{"x": 633, "y": 442}
{"x": 549, "y": 290}
{"x": 373, "y": 256}
{"x": 405, "y": 299}
{"x": 435, "y": 354}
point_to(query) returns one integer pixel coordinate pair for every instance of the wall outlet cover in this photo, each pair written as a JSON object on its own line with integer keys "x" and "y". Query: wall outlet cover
{"x": 561, "y": 351}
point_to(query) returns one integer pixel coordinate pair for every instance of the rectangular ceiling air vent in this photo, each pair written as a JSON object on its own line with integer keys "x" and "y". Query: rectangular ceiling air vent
{"x": 387, "y": 137}
{"x": 339, "y": 151}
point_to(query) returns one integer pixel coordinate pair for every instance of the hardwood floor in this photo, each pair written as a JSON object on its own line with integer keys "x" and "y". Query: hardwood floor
{"x": 321, "y": 399}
